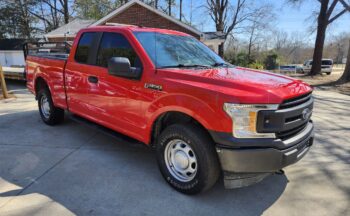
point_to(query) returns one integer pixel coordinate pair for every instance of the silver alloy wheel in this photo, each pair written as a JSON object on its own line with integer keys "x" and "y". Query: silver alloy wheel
{"x": 45, "y": 106}
{"x": 180, "y": 160}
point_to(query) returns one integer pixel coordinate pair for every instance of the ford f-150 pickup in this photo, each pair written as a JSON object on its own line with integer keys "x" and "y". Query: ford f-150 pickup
{"x": 205, "y": 118}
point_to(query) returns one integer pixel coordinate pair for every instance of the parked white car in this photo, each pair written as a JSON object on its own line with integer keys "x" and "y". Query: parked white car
{"x": 327, "y": 66}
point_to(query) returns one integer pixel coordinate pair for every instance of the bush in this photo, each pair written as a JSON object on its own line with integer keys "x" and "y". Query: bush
{"x": 271, "y": 61}
{"x": 256, "y": 65}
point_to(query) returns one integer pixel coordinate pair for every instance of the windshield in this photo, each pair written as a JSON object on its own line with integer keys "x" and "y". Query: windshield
{"x": 177, "y": 51}
{"x": 327, "y": 62}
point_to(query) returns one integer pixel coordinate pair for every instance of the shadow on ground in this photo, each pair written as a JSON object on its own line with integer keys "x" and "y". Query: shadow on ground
{"x": 88, "y": 172}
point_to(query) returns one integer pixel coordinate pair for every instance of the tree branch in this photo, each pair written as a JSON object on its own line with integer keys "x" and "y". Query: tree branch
{"x": 331, "y": 8}
{"x": 346, "y": 5}
{"x": 337, "y": 16}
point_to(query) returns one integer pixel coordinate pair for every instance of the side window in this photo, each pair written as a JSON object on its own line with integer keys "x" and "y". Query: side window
{"x": 84, "y": 47}
{"x": 116, "y": 45}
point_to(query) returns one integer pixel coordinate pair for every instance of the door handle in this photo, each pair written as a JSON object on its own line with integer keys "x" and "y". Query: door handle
{"x": 93, "y": 79}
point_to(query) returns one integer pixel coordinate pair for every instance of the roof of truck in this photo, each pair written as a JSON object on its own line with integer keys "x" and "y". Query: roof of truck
{"x": 135, "y": 29}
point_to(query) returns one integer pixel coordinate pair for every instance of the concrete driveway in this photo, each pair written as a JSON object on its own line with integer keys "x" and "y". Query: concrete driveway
{"x": 72, "y": 169}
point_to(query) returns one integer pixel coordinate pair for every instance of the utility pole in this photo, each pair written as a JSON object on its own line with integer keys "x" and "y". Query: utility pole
{"x": 3, "y": 84}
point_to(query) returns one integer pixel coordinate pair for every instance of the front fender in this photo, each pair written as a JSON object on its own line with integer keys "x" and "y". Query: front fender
{"x": 206, "y": 113}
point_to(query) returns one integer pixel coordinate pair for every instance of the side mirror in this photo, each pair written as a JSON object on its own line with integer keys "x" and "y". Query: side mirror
{"x": 120, "y": 66}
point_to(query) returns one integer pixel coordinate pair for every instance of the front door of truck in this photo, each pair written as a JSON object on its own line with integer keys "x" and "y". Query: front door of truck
{"x": 115, "y": 101}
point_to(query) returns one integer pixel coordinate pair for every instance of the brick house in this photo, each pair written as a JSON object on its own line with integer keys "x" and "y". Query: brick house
{"x": 137, "y": 13}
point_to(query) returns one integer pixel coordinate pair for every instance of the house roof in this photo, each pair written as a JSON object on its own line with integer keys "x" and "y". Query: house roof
{"x": 133, "y": 2}
{"x": 70, "y": 29}
{"x": 12, "y": 44}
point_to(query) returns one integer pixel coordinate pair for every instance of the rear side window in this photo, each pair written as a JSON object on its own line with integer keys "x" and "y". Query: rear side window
{"x": 116, "y": 45}
{"x": 84, "y": 47}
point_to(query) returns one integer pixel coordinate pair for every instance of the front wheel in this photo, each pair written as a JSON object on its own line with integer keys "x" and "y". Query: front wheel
{"x": 50, "y": 114}
{"x": 328, "y": 73}
{"x": 187, "y": 158}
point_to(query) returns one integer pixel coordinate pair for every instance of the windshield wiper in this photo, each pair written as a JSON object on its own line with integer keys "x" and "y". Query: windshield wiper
{"x": 220, "y": 64}
{"x": 186, "y": 66}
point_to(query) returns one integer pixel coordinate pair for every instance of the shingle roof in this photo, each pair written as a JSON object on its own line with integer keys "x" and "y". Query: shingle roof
{"x": 70, "y": 28}
{"x": 12, "y": 44}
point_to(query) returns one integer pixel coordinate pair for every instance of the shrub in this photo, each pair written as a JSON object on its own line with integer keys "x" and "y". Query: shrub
{"x": 256, "y": 65}
{"x": 271, "y": 61}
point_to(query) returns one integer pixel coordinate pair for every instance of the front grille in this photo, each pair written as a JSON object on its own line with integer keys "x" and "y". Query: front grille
{"x": 296, "y": 101}
{"x": 291, "y": 118}
{"x": 297, "y": 118}
{"x": 284, "y": 135}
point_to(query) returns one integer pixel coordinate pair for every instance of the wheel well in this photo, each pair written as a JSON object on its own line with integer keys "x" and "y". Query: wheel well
{"x": 40, "y": 83}
{"x": 170, "y": 118}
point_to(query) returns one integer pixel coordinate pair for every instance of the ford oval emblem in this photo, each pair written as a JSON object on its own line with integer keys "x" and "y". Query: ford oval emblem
{"x": 306, "y": 113}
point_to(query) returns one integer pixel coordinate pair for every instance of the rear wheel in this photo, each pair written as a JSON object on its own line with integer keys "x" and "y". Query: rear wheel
{"x": 328, "y": 73}
{"x": 187, "y": 159}
{"x": 50, "y": 114}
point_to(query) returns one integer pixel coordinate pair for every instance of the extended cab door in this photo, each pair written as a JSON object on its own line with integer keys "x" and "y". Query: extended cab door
{"x": 110, "y": 100}
{"x": 78, "y": 74}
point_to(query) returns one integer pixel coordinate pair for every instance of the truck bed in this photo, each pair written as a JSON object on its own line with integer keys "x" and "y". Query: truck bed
{"x": 50, "y": 68}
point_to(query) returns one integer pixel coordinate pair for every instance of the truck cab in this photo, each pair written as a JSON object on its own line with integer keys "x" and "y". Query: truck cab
{"x": 204, "y": 117}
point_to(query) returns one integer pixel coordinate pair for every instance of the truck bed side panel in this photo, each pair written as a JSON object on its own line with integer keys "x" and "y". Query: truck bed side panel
{"x": 52, "y": 71}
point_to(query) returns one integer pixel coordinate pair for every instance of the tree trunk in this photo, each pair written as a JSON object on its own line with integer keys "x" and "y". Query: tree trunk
{"x": 346, "y": 75}
{"x": 221, "y": 50}
{"x": 66, "y": 11}
{"x": 169, "y": 7}
{"x": 180, "y": 10}
{"x": 322, "y": 24}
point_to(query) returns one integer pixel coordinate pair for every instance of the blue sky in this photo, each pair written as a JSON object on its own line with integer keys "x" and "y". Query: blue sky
{"x": 288, "y": 17}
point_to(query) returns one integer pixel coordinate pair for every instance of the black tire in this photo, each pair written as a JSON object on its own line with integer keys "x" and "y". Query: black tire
{"x": 329, "y": 73}
{"x": 56, "y": 115}
{"x": 208, "y": 167}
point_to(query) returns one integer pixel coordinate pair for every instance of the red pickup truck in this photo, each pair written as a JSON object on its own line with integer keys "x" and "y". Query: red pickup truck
{"x": 203, "y": 116}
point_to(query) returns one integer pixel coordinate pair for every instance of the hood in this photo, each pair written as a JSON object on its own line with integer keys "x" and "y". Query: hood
{"x": 246, "y": 85}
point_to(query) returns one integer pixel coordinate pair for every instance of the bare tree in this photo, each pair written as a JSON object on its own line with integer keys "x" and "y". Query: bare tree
{"x": 326, "y": 16}
{"x": 258, "y": 25}
{"x": 280, "y": 39}
{"x": 346, "y": 75}
{"x": 170, "y": 4}
{"x": 25, "y": 19}
{"x": 228, "y": 17}
{"x": 65, "y": 10}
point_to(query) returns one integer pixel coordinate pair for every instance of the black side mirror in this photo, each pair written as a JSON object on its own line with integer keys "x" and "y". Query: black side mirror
{"x": 120, "y": 66}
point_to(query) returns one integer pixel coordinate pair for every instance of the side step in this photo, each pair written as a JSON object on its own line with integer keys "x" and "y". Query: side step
{"x": 102, "y": 129}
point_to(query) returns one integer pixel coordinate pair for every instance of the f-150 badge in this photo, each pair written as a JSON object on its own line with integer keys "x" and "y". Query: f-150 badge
{"x": 153, "y": 86}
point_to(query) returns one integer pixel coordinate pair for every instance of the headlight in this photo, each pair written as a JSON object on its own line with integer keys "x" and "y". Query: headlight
{"x": 244, "y": 118}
